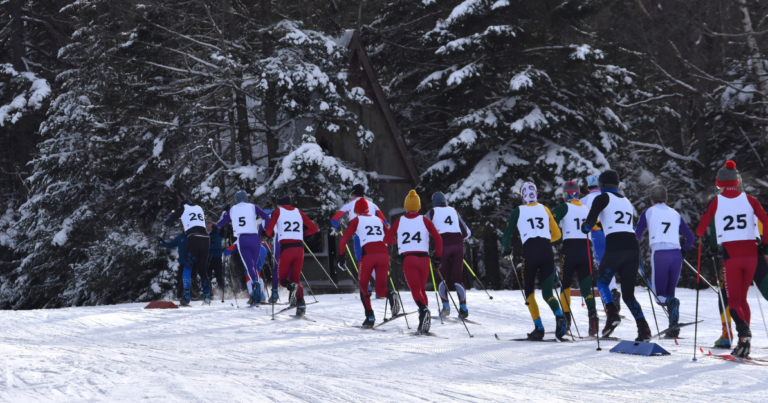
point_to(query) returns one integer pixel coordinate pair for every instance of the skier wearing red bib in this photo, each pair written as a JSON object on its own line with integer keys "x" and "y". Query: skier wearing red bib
{"x": 453, "y": 231}
{"x": 370, "y": 230}
{"x": 291, "y": 226}
{"x": 413, "y": 231}
{"x": 734, "y": 215}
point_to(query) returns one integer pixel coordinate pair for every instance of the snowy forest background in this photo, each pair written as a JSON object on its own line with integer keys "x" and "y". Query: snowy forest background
{"x": 114, "y": 111}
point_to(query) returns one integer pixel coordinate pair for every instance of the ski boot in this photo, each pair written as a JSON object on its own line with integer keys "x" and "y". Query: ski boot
{"x": 301, "y": 307}
{"x": 446, "y": 311}
{"x": 292, "y": 290}
{"x": 207, "y": 300}
{"x": 394, "y": 302}
{"x": 250, "y": 301}
{"x": 274, "y": 298}
{"x": 561, "y": 327}
{"x": 185, "y": 300}
{"x": 594, "y": 322}
{"x": 643, "y": 331}
{"x": 616, "y": 299}
{"x": 370, "y": 319}
{"x": 257, "y": 293}
{"x": 612, "y": 321}
{"x": 536, "y": 335}
{"x": 744, "y": 343}
{"x": 425, "y": 319}
{"x": 723, "y": 342}
{"x": 463, "y": 311}
{"x": 568, "y": 319}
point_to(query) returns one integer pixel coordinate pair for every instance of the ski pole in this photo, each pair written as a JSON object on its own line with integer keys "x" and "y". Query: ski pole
{"x": 398, "y": 294}
{"x": 478, "y": 280}
{"x": 451, "y": 297}
{"x": 705, "y": 280}
{"x": 721, "y": 300}
{"x": 757, "y": 295}
{"x": 275, "y": 266}
{"x": 318, "y": 262}
{"x": 434, "y": 286}
{"x": 567, "y": 298}
{"x": 651, "y": 291}
{"x": 653, "y": 309}
{"x": 514, "y": 270}
{"x": 589, "y": 255}
{"x": 308, "y": 287}
{"x": 696, "y": 331}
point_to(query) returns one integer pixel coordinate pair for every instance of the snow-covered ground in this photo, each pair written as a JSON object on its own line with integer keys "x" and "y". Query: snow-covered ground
{"x": 225, "y": 354}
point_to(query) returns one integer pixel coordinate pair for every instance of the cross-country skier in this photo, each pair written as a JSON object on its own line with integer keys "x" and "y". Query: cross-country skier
{"x": 597, "y": 236}
{"x": 622, "y": 252}
{"x": 245, "y": 224}
{"x": 198, "y": 246}
{"x": 537, "y": 229}
{"x": 291, "y": 226}
{"x": 453, "y": 231}
{"x": 358, "y": 192}
{"x": 574, "y": 255}
{"x": 179, "y": 242}
{"x": 413, "y": 231}
{"x": 371, "y": 231}
{"x": 215, "y": 267}
{"x": 734, "y": 214}
{"x": 665, "y": 225}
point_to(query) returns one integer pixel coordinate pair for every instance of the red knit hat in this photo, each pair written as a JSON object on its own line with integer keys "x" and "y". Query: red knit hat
{"x": 728, "y": 176}
{"x": 361, "y": 206}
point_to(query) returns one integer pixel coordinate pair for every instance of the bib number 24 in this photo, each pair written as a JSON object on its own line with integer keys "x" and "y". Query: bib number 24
{"x": 407, "y": 237}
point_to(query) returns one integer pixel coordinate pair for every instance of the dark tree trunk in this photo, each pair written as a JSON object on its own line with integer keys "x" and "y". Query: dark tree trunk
{"x": 17, "y": 35}
{"x": 491, "y": 256}
{"x": 270, "y": 108}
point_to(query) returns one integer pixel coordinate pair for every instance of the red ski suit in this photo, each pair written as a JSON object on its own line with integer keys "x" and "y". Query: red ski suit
{"x": 291, "y": 251}
{"x": 416, "y": 264}
{"x": 739, "y": 257}
{"x": 375, "y": 257}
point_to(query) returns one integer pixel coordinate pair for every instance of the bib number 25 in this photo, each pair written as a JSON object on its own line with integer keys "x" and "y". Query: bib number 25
{"x": 741, "y": 219}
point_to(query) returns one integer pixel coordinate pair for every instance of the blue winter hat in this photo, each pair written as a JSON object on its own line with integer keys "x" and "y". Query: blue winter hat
{"x": 438, "y": 200}
{"x": 241, "y": 196}
{"x": 592, "y": 180}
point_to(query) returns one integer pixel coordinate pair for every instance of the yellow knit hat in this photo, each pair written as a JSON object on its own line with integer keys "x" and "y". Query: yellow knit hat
{"x": 412, "y": 202}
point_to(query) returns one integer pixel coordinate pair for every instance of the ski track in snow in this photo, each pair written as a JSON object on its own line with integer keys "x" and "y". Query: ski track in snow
{"x": 225, "y": 354}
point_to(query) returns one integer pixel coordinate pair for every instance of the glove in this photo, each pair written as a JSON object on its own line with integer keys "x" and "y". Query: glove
{"x": 507, "y": 254}
{"x": 342, "y": 263}
{"x": 438, "y": 263}
{"x": 585, "y": 229}
{"x": 762, "y": 248}
{"x": 227, "y": 207}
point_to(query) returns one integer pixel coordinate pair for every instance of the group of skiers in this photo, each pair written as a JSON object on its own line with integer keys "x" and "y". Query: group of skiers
{"x": 603, "y": 224}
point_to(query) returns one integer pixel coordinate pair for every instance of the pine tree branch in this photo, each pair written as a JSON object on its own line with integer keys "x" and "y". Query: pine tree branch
{"x": 667, "y": 151}
{"x": 649, "y": 100}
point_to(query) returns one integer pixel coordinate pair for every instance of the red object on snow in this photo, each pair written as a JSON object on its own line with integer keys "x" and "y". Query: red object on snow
{"x": 161, "y": 305}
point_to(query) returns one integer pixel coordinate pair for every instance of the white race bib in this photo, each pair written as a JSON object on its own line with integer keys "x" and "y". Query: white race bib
{"x": 290, "y": 225}
{"x": 533, "y": 222}
{"x": 573, "y": 220}
{"x": 350, "y": 208}
{"x": 412, "y": 235}
{"x": 369, "y": 229}
{"x": 244, "y": 220}
{"x": 617, "y": 215}
{"x": 663, "y": 225}
{"x": 734, "y": 219}
{"x": 193, "y": 216}
{"x": 446, "y": 220}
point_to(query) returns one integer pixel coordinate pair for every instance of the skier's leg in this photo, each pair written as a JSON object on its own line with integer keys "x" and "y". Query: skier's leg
{"x": 457, "y": 270}
{"x": 529, "y": 270}
{"x": 248, "y": 276}
{"x": 381, "y": 270}
{"x": 725, "y": 315}
{"x": 628, "y": 273}
{"x": 445, "y": 259}
{"x": 741, "y": 262}
{"x": 296, "y": 267}
{"x": 366, "y": 267}
{"x": 567, "y": 268}
{"x": 416, "y": 270}
{"x": 201, "y": 265}
{"x": 761, "y": 275}
{"x": 660, "y": 275}
{"x": 606, "y": 272}
{"x": 547, "y": 280}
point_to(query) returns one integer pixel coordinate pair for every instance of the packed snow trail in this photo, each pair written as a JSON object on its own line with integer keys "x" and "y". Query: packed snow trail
{"x": 226, "y": 354}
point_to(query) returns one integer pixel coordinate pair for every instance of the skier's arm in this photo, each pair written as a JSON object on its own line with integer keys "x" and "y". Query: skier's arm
{"x": 389, "y": 238}
{"x": 511, "y": 227}
{"x": 348, "y": 234}
{"x": 712, "y": 237}
{"x": 465, "y": 232}
{"x": 430, "y": 214}
{"x": 560, "y": 212}
{"x": 338, "y": 217}
{"x": 381, "y": 216}
{"x": 435, "y": 236}
{"x": 598, "y": 205}
{"x": 311, "y": 227}
{"x": 271, "y": 226}
{"x": 760, "y": 213}
{"x": 707, "y": 217}
{"x": 642, "y": 223}
{"x": 174, "y": 217}
{"x": 224, "y": 219}
{"x": 554, "y": 229}
{"x": 174, "y": 243}
{"x": 689, "y": 238}
{"x": 261, "y": 213}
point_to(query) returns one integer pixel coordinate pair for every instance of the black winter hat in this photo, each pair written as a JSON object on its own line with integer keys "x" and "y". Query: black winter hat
{"x": 284, "y": 197}
{"x": 438, "y": 200}
{"x": 608, "y": 180}
{"x": 358, "y": 190}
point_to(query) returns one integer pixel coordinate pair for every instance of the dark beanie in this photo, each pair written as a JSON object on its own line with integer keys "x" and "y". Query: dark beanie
{"x": 358, "y": 190}
{"x": 658, "y": 194}
{"x": 728, "y": 176}
{"x": 241, "y": 196}
{"x": 608, "y": 180}
{"x": 438, "y": 200}
{"x": 283, "y": 197}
